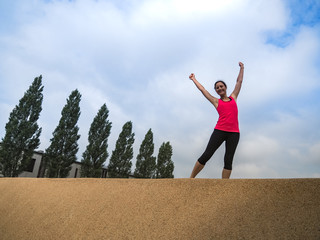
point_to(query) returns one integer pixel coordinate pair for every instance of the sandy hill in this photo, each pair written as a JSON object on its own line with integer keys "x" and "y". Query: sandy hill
{"x": 159, "y": 209}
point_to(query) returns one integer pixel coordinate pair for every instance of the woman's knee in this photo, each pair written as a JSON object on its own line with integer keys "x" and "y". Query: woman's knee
{"x": 228, "y": 166}
{"x": 228, "y": 160}
{"x": 205, "y": 157}
{"x": 203, "y": 161}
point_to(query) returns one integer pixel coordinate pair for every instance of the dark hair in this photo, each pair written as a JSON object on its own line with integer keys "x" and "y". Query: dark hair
{"x": 221, "y": 82}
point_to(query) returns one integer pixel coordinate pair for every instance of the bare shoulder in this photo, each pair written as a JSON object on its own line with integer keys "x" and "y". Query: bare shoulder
{"x": 211, "y": 98}
{"x": 215, "y": 102}
{"x": 233, "y": 96}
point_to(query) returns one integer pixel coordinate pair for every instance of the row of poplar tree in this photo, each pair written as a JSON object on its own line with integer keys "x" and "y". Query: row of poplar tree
{"x": 23, "y": 133}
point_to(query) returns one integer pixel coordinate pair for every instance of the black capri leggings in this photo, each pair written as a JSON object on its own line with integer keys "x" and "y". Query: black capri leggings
{"x": 216, "y": 139}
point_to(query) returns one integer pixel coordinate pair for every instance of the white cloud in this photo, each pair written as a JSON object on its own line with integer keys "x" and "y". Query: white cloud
{"x": 314, "y": 153}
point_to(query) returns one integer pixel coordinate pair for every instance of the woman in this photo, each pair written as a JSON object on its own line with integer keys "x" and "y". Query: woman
{"x": 227, "y": 128}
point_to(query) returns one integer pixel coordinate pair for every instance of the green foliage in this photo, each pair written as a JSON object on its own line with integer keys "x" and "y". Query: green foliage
{"x": 120, "y": 162}
{"x": 146, "y": 163}
{"x": 96, "y": 152}
{"x": 22, "y": 131}
{"x": 165, "y": 165}
{"x": 63, "y": 148}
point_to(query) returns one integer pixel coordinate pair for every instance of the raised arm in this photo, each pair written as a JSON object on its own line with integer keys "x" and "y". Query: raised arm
{"x": 211, "y": 98}
{"x": 237, "y": 88}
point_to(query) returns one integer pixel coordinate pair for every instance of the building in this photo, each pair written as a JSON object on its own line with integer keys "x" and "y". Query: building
{"x": 34, "y": 168}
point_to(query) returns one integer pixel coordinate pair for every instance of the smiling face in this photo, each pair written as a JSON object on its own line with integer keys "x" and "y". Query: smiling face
{"x": 221, "y": 88}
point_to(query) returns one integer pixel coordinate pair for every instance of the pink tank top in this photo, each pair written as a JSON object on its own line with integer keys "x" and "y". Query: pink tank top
{"x": 228, "y": 116}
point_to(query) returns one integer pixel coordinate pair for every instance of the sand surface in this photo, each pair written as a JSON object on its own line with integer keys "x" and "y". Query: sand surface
{"x": 34, "y": 208}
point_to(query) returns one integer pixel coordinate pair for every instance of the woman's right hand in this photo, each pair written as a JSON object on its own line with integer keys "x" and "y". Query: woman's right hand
{"x": 192, "y": 76}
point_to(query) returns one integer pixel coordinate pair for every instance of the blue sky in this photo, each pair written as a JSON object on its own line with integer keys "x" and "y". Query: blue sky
{"x": 136, "y": 57}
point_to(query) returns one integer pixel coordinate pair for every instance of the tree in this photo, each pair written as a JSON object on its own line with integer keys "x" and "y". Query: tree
{"x": 63, "y": 148}
{"x": 165, "y": 165}
{"x": 120, "y": 162}
{"x": 146, "y": 163}
{"x": 22, "y": 131}
{"x": 96, "y": 152}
